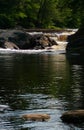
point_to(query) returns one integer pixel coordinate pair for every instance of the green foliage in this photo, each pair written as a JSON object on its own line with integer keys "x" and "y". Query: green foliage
{"x": 41, "y": 13}
{"x": 46, "y": 13}
{"x": 6, "y": 21}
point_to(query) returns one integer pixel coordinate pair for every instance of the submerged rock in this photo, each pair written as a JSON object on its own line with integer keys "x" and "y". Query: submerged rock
{"x": 36, "y": 117}
{"x": 76, "y": 116}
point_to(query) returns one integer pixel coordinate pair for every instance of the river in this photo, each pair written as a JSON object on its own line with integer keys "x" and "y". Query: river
{"x": 39, "y": 82}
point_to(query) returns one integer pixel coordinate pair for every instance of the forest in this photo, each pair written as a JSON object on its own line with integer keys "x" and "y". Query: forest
{"x": 41, "y": 13}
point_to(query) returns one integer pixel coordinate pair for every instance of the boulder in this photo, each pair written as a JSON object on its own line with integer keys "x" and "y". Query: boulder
{"x": 8, "y": 45}
{"x": 75, "y": 116}
{"x": 76, "y": 42}
{"x": 24, "y": 40}
{"x": 18, "y": 37}
{"x": 42, "y": 41}
{"x": 36, "y": 117}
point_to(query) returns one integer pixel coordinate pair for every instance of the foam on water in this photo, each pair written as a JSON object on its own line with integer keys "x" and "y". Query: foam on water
{"x": 4, "y": 107}
{"x": 4, "y": 51}
{"x": 20, "y": 51}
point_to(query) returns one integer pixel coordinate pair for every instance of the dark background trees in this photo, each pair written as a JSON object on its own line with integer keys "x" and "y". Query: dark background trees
{"x": 41, "y": 13}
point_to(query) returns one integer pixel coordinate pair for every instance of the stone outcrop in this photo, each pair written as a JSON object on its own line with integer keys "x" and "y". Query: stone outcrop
{"x": 76, "y": 42}
{"x": 76, "y": 116}
{"x": 18, "y": 39}
{"x": 8, "y": 45}
{"x": 36, "y": 117}
{"x": 41, "y": 41}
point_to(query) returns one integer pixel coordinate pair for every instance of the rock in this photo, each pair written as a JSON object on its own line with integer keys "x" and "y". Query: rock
{"x": 42, "y": 41}
{"x": 52, "y": 41}
{"x": 36, "y": 117}
{"x": 8, "y": 45}
{"x": 24, "y": 40}
{"x": 76, "y": 116}
{"x": 18, "y": 37}
{"x": 76, "y": 42}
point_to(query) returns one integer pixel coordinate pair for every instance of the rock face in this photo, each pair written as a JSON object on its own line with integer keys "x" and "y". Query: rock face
{"x": 76, "y": 42}
{"x": 36, "y": 117}
{"x": 76, "y": 116}
{"x": 17, "y": 39}
{"x": 9, "y": 45}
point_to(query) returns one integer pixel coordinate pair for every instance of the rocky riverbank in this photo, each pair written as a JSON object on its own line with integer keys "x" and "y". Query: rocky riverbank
{"x": 29, "y": 39}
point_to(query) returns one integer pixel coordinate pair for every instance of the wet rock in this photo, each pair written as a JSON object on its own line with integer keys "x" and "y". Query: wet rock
{"x": 41, "y": 41}
{"x": 24, "y": 40}
{"x": 18, "y": 37}
{"x": 76, "y": 116}
{"x": 8, "y": 45}
{"x": 76, "y": 42}
{"x": 36, "y": 117}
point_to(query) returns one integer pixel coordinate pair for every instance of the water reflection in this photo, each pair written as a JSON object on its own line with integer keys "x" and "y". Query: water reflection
{"x": 46, "y": 83}
{"x": 76, "y": 64}
{"x": 32, "y": 74}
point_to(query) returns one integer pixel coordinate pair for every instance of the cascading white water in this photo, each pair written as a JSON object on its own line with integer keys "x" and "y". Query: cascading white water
{"x": 60, "y": 48}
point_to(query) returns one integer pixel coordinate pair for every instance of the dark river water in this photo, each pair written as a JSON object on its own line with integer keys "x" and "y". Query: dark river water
{"x": 40, "y": 83}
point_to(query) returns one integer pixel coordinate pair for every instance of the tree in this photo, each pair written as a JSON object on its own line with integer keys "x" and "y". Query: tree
{"x": 41, "y": 13}
{"x": 10, "y": 11}
{"x": 46, "y": 13}
{"x": 31, "y": 10}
